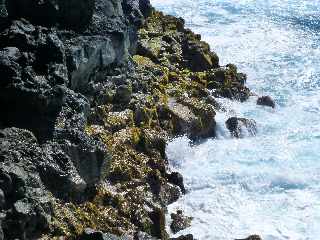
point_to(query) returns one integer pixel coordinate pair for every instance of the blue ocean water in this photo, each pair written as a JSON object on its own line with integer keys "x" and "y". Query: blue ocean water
{"x": 268, "y": 184}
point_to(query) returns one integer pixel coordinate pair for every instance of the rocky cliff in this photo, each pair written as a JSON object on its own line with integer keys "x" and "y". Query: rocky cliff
{"x": 90, "y": 92}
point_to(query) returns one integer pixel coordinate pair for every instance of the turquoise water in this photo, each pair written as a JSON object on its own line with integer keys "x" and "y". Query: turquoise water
{"x": 268, "y": 184}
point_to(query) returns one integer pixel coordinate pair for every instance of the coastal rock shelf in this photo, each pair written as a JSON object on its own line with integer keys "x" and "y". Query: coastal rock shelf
{"x": 90, "y": 93}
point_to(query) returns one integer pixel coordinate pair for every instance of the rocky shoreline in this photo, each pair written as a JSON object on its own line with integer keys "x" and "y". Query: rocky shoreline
{"x": 90, "y": 92}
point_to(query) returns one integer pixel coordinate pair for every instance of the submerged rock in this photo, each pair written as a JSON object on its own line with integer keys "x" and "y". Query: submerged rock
{"x": 238, "y": 127}
{"x": 266, "y": 101}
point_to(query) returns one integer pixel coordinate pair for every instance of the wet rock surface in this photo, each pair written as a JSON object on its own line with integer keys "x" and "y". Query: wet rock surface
{"x": 90, "y": 93}
{"x": 266, "y": 101}
{"x": 184, "y": 237}
{"x": 252, "y": 237}
{"x": 179, "y": 222}
{"x": 240, "y": 127}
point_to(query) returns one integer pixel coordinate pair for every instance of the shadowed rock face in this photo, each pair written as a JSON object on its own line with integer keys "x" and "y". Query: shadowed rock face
{"x": 44, "y": 68}
{"x": 39, "y": 64}
{"x": 67, "y": 168}
{"x": 71, "y": 14}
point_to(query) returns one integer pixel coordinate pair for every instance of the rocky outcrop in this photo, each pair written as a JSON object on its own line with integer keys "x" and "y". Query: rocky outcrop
{"x": 165, "y": 41}
{"x": 90, "y": 92}
{"x": 179, "y": 222}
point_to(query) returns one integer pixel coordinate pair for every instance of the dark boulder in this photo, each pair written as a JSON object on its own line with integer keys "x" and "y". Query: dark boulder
{"x": 108, "y": 17}
{"x": 2, "y": 199}
{"x": 252, "y": 237}
{"x": 179, "y": 222}
{"x": 88, "y": 155}
{"x": 169, "y": 194}
{"x": 20, "y": 34}
{"x": 240, "y": 127}
{"x": 1, "y": 233}
{"x": 90, "y": 234}
{"x": 266, "y": 101}
{"x": 9, "y": 68}
{"x": 184, "y": 237}
{"x": 176, "y": 179}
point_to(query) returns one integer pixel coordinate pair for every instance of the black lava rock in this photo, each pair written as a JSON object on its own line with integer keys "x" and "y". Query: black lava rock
{"x": 238, "y": 126}
{"x": 90, "y": 234}
{"x": 252, "y": 237}
{"x": 179, "y": 222}
{"x": 184, "y": 237}
{"x": 29, "y": 170}
{"x": 143, "y": 236}
{"x": 177, "y": 179}
{"x": 266, "y": 101}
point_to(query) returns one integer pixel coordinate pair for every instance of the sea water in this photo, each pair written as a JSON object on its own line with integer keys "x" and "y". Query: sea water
{"x": 268, "y": 184}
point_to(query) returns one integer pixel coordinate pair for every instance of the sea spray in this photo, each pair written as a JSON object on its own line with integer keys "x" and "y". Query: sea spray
{"x": 267, "y": 184}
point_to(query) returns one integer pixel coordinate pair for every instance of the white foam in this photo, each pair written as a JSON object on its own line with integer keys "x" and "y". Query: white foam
{"x": 268, "y": 184}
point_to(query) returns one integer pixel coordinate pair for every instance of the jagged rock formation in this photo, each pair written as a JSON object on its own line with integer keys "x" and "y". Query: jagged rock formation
{"x": 90, "y": 91}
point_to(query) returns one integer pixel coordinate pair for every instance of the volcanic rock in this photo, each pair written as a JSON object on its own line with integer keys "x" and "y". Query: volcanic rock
{"x": 179, "y": 222}
{"x": 266, "y": 101}
{"x": 238, "y": 127}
